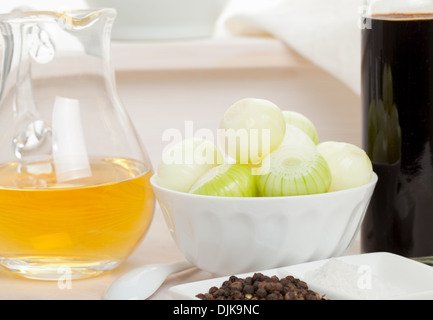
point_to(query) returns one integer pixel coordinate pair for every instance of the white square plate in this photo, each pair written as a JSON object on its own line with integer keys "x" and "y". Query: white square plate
{"x": 372, "y": 276}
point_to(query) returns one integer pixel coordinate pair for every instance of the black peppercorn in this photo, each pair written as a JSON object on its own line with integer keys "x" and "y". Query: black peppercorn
{"x": 261, "y": 287}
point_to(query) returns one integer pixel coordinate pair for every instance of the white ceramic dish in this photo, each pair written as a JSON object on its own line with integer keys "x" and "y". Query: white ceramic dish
{"x": 224, "y": 235}
{"x": 392, "y": 278}
{"x": 163, "y": 19}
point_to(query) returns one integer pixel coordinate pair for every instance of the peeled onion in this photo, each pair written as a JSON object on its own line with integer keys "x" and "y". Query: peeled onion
{"x": 252, "y": 129}
{"x": 227, "y": 180}
{"x": 295, "y": 168}
{"x": 297, "y": 137}
{"x": 183, "y": 164}
{"x": 350, "y": 165}
{"x": 302, "y": 122}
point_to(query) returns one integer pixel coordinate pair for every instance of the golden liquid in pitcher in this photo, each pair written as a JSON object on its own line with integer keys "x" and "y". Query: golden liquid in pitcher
{"x": 89, "y": 225}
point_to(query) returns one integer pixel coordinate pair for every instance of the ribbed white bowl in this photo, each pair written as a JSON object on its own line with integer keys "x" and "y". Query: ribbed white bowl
{"x": 226, "y": 236}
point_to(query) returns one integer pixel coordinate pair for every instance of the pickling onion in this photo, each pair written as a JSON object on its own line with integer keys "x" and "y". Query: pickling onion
{"x": 302, "y": 122}
{"x": 227, "y": 180}
{"x": 251, "y": 129}
{"x": 183, "y": 164}
{"x": 295, "y": 168}
{"x": 297, "y": 137}
{"x": 350, "y": 165}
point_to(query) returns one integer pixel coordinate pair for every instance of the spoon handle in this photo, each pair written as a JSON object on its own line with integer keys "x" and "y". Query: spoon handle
{"x": 142, "y": 282}
{"x": 179, "y": 266}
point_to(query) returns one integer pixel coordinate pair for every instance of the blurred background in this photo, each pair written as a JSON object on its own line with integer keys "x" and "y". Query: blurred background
{"x": 189, "y": 60}
{"x": 232, "y": 6}
{"x": 325, "y": 32}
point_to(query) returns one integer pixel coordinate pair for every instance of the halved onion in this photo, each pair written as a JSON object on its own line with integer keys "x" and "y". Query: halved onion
{"x": 251, "y": 129}
{"x": 227, "y": 180}
{"x": 302, "y": 122}
{"x": 183, "y": 164}
{"x": 295, "y": 168}
{"x": 350, "y": 165}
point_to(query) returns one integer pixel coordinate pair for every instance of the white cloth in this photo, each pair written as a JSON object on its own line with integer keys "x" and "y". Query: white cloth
{"x": 326, "y": 32}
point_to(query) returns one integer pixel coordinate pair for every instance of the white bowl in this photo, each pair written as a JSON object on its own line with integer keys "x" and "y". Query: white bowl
{"x": 163, "y": 19}
{"x": 226, "y": 236}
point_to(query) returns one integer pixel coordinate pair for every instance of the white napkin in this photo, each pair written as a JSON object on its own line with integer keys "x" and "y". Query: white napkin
{"x": 326, "y": 32}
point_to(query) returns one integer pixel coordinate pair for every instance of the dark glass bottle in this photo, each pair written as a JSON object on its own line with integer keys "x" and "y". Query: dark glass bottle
{"x": 397, "y": 101}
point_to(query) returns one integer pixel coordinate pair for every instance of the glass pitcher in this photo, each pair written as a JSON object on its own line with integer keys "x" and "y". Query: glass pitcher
{"x": 74, "y": 177}
{"x": 397, "y": 99}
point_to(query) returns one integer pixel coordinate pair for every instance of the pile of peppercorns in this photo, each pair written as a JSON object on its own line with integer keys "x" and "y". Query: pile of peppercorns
{"x": 261, "y": 287}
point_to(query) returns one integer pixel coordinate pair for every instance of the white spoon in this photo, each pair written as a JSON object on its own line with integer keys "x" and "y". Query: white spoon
{"x": 142, "y": 282}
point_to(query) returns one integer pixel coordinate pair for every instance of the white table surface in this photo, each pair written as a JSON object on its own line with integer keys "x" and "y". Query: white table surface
{"x": 166, "y": 88}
